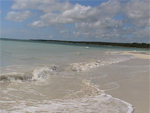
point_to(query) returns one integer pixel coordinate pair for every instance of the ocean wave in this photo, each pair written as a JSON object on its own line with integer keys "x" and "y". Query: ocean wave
{"x": 45, "y": 72}
{"x": 85, "y": 66}
{"x": 90, "y": 99}
{"x": 36, "y": 74}
{"x": 113, "y": 52}
{"x": 15, "y": 76}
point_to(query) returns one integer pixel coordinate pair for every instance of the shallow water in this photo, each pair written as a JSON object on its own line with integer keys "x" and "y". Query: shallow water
{"x": 58, "y": 78}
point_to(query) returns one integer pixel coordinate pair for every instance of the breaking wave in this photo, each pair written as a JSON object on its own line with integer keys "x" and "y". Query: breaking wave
{"x": 44, "y": 72}
{"x": 15, "y": 76}
{"x": 90, "y": 99}
{"x": 84, "y": 66}
{"x": 36, "y": 74}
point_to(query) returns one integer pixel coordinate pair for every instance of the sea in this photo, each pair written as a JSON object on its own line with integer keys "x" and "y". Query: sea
{"x": 46, "y": 77}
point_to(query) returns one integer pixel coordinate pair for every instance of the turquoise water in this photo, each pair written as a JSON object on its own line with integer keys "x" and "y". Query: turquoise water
{"x": 28, "y": 53}
{"x": 49, "y": 77}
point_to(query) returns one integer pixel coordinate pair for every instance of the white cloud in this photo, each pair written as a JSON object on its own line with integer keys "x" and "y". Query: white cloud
{"x": 143, "y": 32}
{"x": 94, "y": 25}
{"x": 137, "y": 9}
{"x": 101, "y": 28}
{"x": 79, "y": 12}
{"x": 112, "y": 19}
{"x": 132, "y": 28}
{"x": 51, "y": 19}
{"x": 55, "y": 6}
{"x": 109, "y": 8}
{"x": 18, "y": 16}
{"x": 29, "y": 4}
{"x": 137, "y": 12}
{"x": 92, "y": 14}
{"x": 44, "y": 5}
{"x": 51, "y": 36}
{"x": 76, "y": 14}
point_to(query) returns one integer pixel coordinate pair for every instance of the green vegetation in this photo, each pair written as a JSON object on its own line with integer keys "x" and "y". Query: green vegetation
{"x": 133, "y": 45}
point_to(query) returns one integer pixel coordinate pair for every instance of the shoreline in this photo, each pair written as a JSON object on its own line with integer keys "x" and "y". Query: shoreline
{"x": 136, "y": 89}
{"x": 115, "y": 44}
{"x": 133, "y": 90}
{"x": 139, "y": 54}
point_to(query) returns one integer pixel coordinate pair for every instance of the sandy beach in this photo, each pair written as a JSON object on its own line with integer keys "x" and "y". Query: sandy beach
{"x": 136, "y": 89}
{"x": 139, "y": 54}
{"x": 41, "y": 77}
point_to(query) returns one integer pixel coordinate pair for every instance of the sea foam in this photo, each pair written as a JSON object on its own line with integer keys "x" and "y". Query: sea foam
{"x": 36, "y": 74}
{"x": 85, "y": 66}
{"x": 95, "y": 102}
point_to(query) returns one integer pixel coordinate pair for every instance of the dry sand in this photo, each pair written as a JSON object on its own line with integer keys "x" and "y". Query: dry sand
{"x": 135, "y": 90}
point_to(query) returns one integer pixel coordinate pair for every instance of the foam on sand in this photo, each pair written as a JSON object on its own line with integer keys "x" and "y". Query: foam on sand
{"x": 90, "y": 99}
{"x": 97, "y": 104}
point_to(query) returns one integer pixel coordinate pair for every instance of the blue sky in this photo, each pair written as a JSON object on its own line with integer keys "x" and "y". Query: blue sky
{"x": 82, "y": 20}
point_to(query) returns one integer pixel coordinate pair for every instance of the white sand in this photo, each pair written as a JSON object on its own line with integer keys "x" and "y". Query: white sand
{"x": 139, "y": 54}
{"x": 136, "y": 90}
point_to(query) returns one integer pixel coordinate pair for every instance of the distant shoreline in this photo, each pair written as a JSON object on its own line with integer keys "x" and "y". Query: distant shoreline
{"x": 131, "y": 45}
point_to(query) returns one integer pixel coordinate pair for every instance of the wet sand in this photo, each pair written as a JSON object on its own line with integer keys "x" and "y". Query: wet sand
{"x": 134, "y": 91}
{"x": 139, "y": 54}
{"x": 137, "y": 89}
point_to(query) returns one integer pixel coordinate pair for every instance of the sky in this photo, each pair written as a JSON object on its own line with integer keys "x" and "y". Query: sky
{"x": 124, "y": 21}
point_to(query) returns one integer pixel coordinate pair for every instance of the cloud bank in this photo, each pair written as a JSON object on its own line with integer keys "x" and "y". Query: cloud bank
{"x": 18, "y": 16}
{"x": 113, "y": 20}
